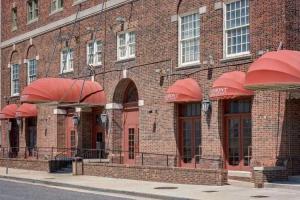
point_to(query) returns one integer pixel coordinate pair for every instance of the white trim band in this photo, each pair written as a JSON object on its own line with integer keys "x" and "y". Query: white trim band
{"x": 63, "y": 22}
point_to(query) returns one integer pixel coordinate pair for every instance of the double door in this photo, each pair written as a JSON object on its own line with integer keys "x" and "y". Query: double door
{"x": 190, "y": 141}
{"x": 238, "y": 142}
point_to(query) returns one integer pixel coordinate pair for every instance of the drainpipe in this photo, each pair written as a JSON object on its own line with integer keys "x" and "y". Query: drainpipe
{"x": 1, "y": 124}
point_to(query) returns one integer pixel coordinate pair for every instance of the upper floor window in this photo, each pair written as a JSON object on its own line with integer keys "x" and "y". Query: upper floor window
{"x": 189, "y": 38}
{"x": 66, "y": 61}
{"x": 57, "y": 5}
{"x": 32, "y": 70}
{"x": 237, "y": 37}
{"x": 15, "y": 78}
{"x": 14, "y": 18}
{"x": 94, "y": 53}
{"x": 33, "y": 10}
{"x": 126, "y": 45}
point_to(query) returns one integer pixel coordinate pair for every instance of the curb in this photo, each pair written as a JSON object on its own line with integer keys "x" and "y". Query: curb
{"x": 130, "y": 193}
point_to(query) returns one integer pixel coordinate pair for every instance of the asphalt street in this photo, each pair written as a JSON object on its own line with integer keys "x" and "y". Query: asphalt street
{"x": 22, "y": 191}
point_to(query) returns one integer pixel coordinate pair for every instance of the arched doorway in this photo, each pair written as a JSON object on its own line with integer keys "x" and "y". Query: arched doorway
{"x": 130, "y": 124}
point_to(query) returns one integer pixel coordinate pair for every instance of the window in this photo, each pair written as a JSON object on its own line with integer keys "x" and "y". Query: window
{"x": 67, "y": 60}
{"x": 237, "y": 37}
{"x": 33, "y": 10}
{"x": 189, "y": 36}
{"x": 57, "y": 5}
{"x": 32, "y": 70}
{"x": 15, "y": 77}
{"x": 14, "y": 19}
{"x": 94, "y": 53}
{"x": 126, "y": 45}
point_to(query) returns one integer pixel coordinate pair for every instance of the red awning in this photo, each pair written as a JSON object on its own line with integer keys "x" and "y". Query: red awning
{"x": 8, "y": 112}
{"x": 275, "y": 70}
{"x": 26, "y": 110}
{"x": 230, "y": 85}
{"x": 186, "y": 90}
{"x": 61, "y": 90}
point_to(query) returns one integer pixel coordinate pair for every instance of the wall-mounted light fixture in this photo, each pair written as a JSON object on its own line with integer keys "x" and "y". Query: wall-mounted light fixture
{"x": 19, "y": 122}
{"x": 76, "y": 119}
{"x": 104, "y": 119}
{"x": 206, "y": 106}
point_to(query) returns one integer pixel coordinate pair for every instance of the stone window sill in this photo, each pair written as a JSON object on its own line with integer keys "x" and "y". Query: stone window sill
{"x": 236, "y": 58}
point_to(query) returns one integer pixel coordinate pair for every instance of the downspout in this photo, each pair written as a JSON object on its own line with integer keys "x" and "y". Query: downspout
{"x": 1, "y": 124}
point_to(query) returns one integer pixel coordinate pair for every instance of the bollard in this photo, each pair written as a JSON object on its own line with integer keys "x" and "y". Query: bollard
{"x": 77, "y": 166}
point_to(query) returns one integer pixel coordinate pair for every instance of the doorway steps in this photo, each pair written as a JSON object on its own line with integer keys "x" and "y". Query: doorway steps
{"x": 239, "y": 176}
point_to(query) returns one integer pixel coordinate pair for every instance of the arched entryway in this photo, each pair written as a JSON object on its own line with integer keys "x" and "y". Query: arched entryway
{"x": 126, "y": 94}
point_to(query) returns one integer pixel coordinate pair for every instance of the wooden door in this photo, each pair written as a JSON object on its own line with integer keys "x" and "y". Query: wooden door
{"x": 238, "y": 142}
{"x": 190, "y": 142}
{"x": 131, "y": 135}
{"x": 71, "y": 136}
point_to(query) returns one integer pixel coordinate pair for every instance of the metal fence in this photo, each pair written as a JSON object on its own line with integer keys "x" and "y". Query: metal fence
{"x": 109, "y": 157}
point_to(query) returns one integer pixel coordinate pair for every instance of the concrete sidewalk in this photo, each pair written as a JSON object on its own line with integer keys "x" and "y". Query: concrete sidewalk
{"x": 237, "y": 190}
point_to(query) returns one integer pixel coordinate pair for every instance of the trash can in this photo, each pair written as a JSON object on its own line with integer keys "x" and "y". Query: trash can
{"x": 77, "y": 166}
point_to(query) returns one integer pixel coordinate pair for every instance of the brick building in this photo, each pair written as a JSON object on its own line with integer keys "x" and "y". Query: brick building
{"x": 142, "y": 52}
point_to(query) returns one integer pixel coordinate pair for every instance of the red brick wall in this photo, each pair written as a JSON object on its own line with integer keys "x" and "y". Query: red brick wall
{"x": 25, "y": 164}
{"x": 160, "y": 174}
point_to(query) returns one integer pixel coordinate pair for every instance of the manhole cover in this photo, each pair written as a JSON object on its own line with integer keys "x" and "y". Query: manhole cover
{"x": 210, "y": 191}
{"x": 259, "y": 196}
{"x": 166, "y": 188}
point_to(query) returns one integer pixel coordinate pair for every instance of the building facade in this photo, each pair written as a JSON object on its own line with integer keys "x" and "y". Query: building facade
{"x": 136, "y": 50}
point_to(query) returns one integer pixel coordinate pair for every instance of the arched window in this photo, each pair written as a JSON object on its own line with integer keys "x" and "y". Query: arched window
{"x": 131, "y": 94}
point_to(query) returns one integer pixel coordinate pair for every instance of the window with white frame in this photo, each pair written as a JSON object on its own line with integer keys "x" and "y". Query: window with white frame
{"x": 94, "y": 53}
{"x": 126, "y": 45}
{"x": 32, "y": 70}
{"x": 237, "y": 36}
{"x": 66, "y": 61}
{"x": 57, "y": 5}
{"x": 189, "y": 39}
{"x": 33, "y": 10}
{"x": 15, "y": 78}
{"x": 14, "y": 18}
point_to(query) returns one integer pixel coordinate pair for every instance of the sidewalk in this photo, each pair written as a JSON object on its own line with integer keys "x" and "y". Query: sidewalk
{"x": 145, "y": 189}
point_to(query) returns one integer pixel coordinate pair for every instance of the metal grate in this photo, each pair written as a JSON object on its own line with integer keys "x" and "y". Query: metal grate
{"x": 259, "y": 196}
{"x": 210, "y": 191}
{"x": 166, "y": 188}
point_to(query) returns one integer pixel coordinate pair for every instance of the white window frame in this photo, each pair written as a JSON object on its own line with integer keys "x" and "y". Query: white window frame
{"x": 180, "y": 41}
{"x": 127, "y": 45}
{"x": 34, "y": 9}
{"x": 14, "y": 15}
{"x": 28, "y": 71}
{"x": 12, "y": 82}
{"x": 56, "y": 3}
{"x": 69, "y": 61}
{"x": 225, "y": 41}
{"x": 95, "y": 53}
